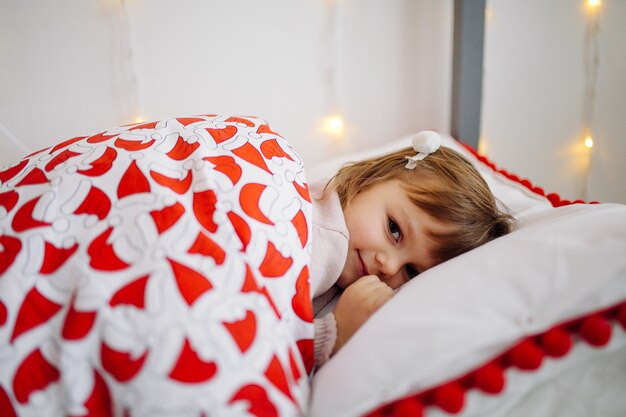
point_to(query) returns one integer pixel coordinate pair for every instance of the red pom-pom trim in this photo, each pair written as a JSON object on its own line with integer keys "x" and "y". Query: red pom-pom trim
{"x": 489, "y": 378}
{"x": 450, "y": 397}
{"x": 596, "y": 330}
{"x": 556, "y": 342}
{"x": 408, "y": 407}
{"x": 526, "y": 355}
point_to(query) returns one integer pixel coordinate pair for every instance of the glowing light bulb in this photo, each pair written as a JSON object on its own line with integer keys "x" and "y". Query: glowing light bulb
{"x": 334, "y": 125}
{"x": 488, "y": 14}
{"x": 588, "y": 142}
{"x": 482, "y": 145}
{"x": 137, "y": 119}
{"x": 594, "y": 3}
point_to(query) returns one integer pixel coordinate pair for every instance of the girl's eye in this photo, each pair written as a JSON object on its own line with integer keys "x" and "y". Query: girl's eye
{"x": 411, "y": 271}
{"x": 394, "y": 229}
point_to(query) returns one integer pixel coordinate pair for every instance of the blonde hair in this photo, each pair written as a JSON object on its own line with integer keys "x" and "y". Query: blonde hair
{"x": 445, "y": 185}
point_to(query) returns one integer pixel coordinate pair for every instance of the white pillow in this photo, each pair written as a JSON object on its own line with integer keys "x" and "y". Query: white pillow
{"x": 561, "y": 264}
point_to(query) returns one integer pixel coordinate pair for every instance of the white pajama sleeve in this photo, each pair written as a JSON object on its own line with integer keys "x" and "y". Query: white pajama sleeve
{"x": 325, "y": 338}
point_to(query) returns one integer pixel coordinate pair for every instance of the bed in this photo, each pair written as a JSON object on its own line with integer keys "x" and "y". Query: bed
{"x": 160, "y": 269}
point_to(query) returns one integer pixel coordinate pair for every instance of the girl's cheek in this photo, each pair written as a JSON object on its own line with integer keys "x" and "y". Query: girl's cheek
{"x": 344, "y": 282}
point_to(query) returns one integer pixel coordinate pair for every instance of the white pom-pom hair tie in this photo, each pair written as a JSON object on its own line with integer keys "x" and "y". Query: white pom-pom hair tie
{"x": 424, "y": 143}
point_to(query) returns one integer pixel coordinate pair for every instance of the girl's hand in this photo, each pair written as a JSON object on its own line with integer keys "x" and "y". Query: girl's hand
{"x": 357, "y": 303}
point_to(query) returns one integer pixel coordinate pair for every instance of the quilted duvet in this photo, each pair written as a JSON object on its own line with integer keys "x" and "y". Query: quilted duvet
{"x": 157, "y": 269}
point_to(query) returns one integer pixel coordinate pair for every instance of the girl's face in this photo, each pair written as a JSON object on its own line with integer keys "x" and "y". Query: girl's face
{"x": 388, "y": 236}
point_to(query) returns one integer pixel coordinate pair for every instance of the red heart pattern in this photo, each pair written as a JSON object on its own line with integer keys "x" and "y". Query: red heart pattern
{"x": 157, "y": 268}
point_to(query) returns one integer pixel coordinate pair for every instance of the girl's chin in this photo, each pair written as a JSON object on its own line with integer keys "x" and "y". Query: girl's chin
{"x": 344, "y": 281}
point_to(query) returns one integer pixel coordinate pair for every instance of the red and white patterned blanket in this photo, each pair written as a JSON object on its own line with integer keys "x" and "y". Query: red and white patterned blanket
{"x": 158, "y": 269}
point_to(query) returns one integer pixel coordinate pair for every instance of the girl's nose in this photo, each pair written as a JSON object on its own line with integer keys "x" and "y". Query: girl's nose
{"x": 389, "y": 264}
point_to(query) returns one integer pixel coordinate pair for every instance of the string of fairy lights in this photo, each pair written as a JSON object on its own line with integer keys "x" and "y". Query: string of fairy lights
{"x": 591, "y": 57}
{"x": 125, "y": 79}
{"x": 333, "y": 125}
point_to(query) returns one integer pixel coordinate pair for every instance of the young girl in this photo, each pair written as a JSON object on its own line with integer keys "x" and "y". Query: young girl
{"x": 380, "y": 222}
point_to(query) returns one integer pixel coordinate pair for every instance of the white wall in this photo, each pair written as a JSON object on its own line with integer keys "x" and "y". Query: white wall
{"x": 534, "y": 84}
{"x": 74, "y": 67}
